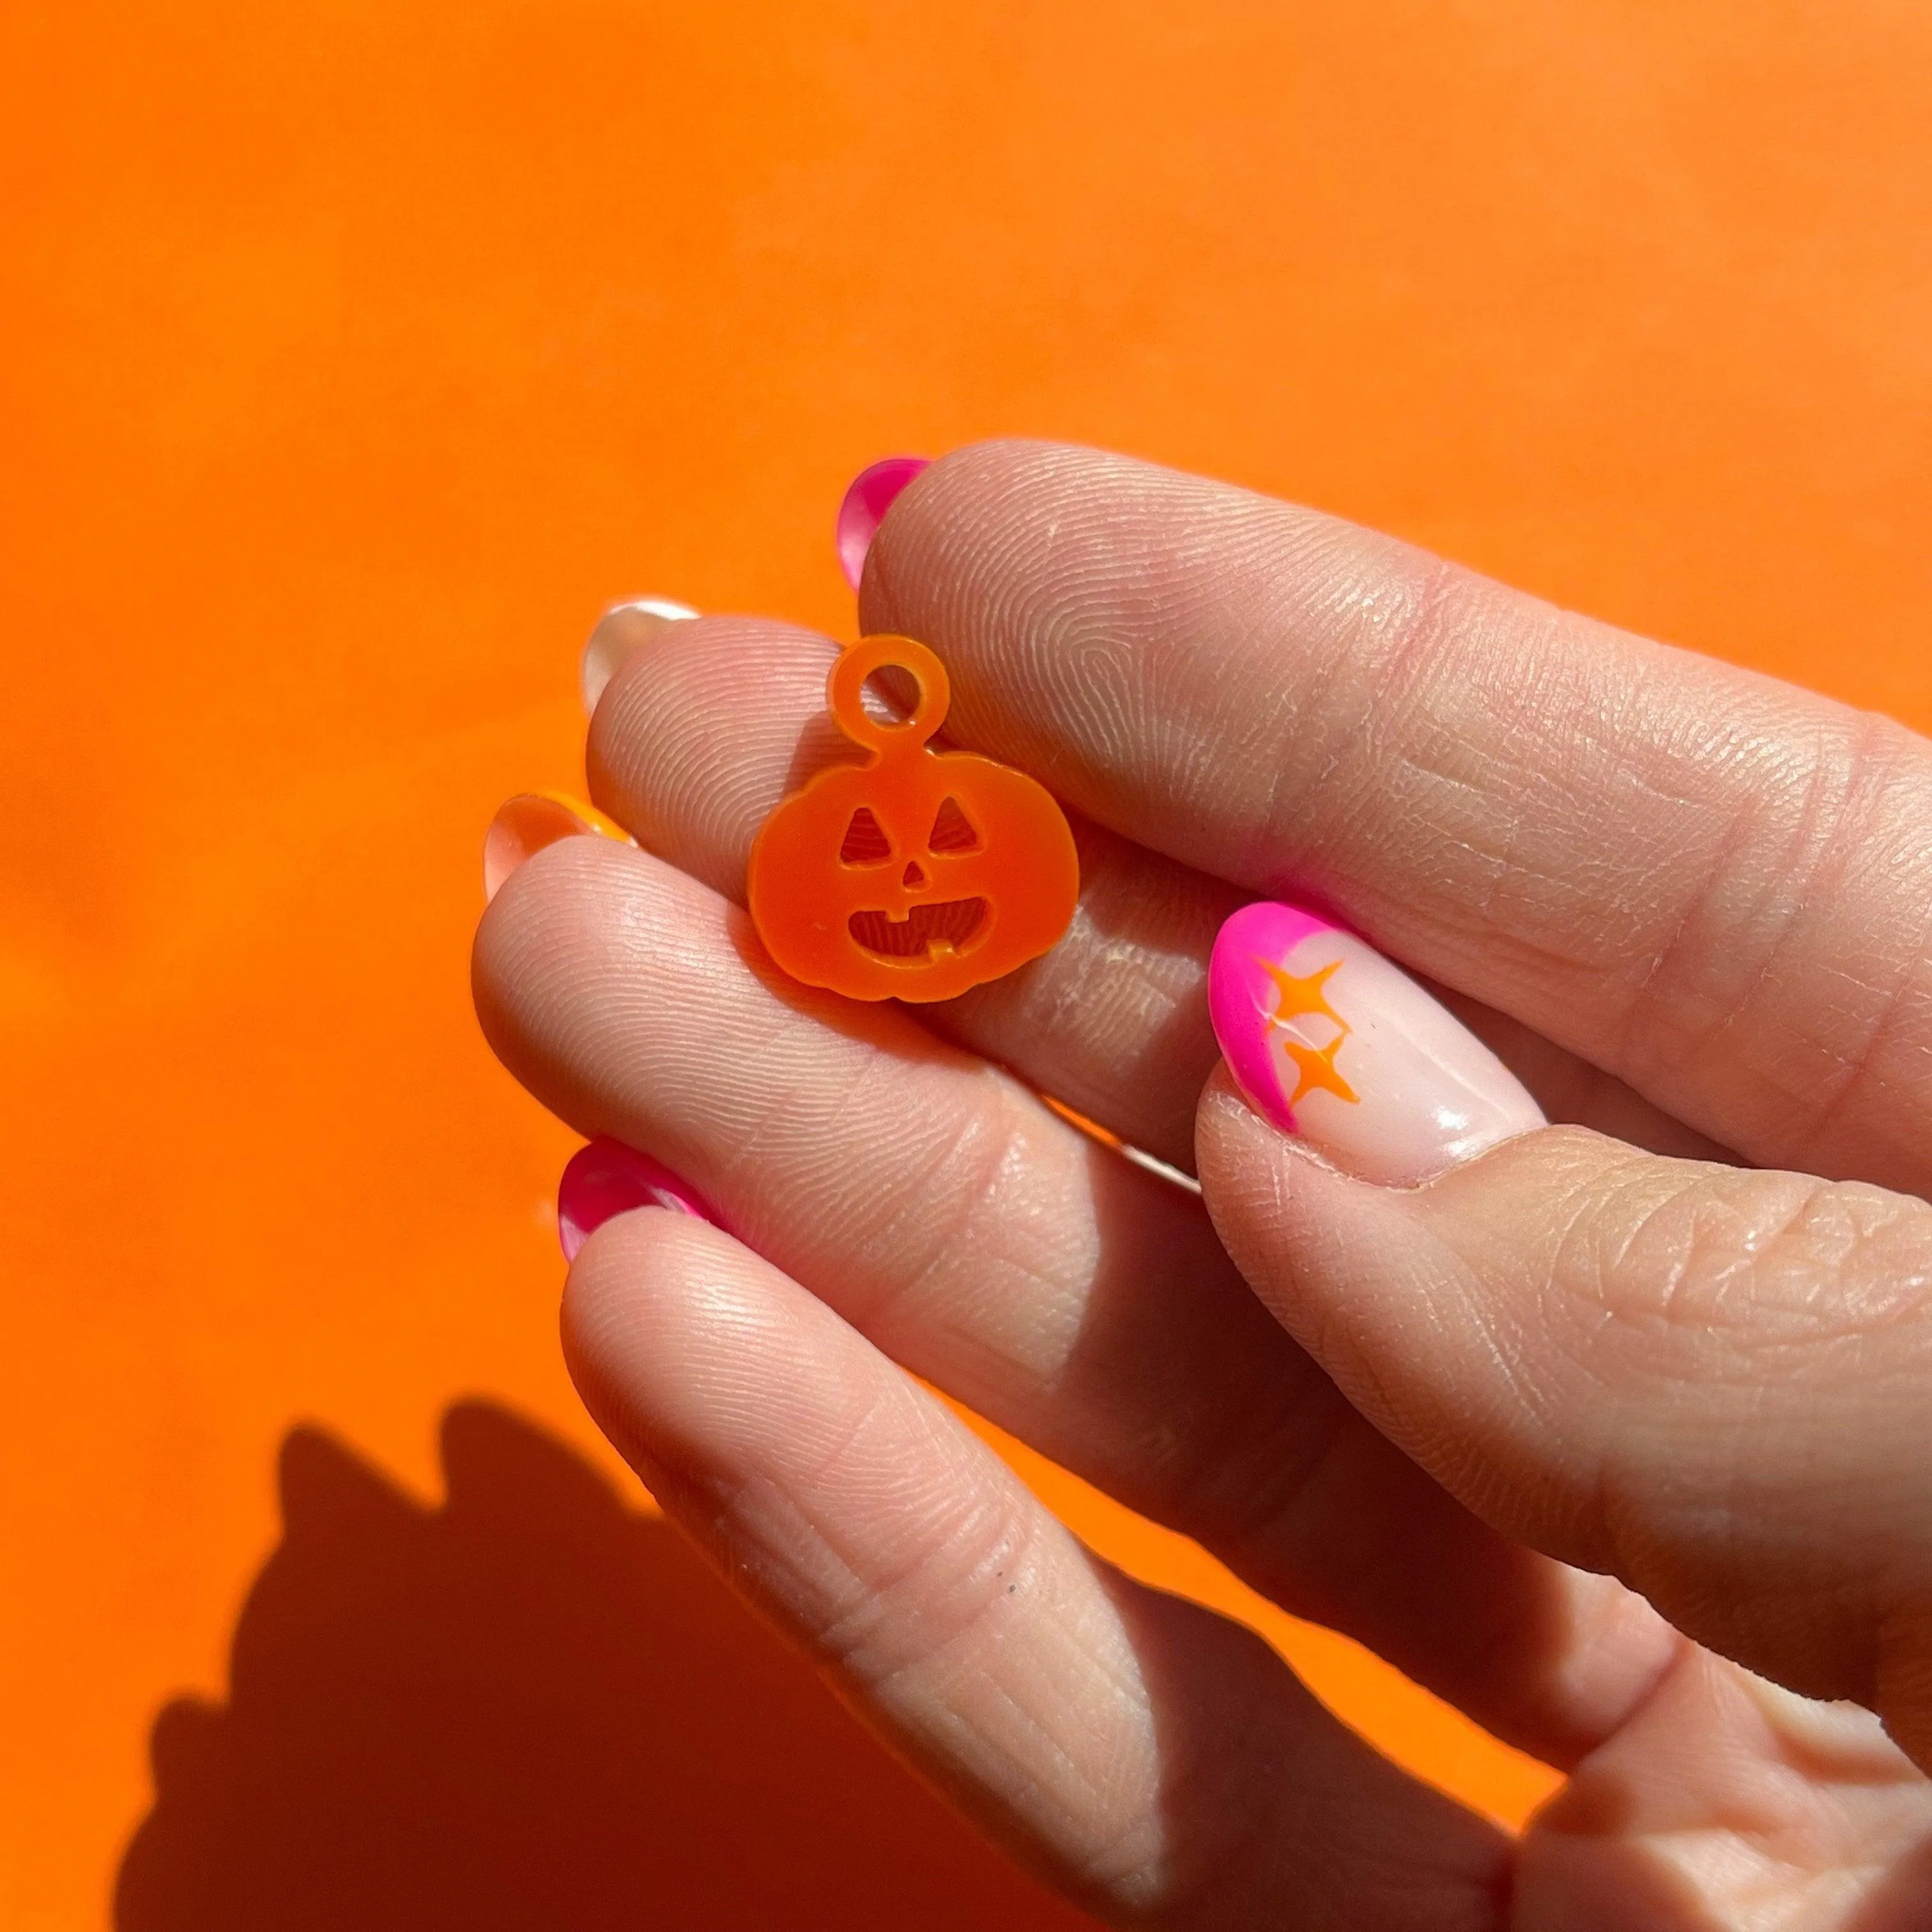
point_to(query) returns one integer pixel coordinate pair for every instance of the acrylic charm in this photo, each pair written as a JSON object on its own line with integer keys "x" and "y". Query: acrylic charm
{"x": 919, "y": 873}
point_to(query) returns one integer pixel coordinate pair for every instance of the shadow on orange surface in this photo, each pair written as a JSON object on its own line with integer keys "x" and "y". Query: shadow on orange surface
{"x": 532, "y": 1706}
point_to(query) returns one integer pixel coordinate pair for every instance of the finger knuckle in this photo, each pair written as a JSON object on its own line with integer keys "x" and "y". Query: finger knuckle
{"x": 965, "y": 1566}
{"x": 976, "y": 1238}
{"x": 1757, "y": 1262}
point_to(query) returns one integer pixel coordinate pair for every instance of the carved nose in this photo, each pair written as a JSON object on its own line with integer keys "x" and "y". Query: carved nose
{"x": 914, "y": 880}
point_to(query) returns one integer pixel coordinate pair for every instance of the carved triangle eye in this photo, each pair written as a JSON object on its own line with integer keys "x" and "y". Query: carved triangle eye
{"x": 952, "y": 830}
{"x": 866, "y": 841}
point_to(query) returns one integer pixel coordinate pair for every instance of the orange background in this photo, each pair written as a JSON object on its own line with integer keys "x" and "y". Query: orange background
{"x": 356, "y": 352}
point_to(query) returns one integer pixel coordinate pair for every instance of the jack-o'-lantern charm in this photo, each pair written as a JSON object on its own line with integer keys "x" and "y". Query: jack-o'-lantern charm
{"x": 919, "y": 873}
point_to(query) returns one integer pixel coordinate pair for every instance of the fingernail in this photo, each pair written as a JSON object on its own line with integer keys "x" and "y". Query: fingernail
{"x": 1333, "y": 1044}
{"x": 531, "y": 821}
{"x": 606, "y": 1178}
{"x": 868, "y": 497}
{"x": 619, "y": 631}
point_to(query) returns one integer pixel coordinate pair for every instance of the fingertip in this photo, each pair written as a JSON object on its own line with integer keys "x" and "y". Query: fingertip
{"x": 969, "y": 489}
{"x": 630, "y": 1329}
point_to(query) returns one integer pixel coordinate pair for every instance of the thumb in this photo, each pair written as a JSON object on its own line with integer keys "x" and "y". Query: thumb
{"x": 1710, "y": 1383}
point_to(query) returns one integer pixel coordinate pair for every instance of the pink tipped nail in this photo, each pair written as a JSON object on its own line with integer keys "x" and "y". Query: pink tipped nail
{"x": 607, "y": 1178}
{"x": 868, "y": 497}
{"x": 1332, "y": 1043}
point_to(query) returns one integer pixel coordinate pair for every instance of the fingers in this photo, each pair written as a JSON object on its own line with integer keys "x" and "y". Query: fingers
{"x": 936, "y": 1204}
{"x": 1709, "y": 1383}
{"x": 1152, "y": 1762}
{"x": 709, "y": 724}
{"x": 1713, "y": 886}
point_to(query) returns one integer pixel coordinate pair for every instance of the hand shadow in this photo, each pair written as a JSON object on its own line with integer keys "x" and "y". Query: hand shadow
{"x": 530, "y": 1708}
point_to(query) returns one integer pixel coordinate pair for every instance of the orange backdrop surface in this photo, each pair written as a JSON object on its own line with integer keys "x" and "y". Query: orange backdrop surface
{"x": 355, "y": 353}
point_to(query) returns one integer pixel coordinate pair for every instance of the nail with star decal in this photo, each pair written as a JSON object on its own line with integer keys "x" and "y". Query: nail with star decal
{"x": 1332, "y": 1043}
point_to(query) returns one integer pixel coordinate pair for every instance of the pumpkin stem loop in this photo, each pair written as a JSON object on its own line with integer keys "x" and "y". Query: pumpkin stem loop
{"x": 845, "y": 693}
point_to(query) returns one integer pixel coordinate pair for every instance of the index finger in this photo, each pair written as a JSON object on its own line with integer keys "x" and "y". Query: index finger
{"x": 1712, "y": 884}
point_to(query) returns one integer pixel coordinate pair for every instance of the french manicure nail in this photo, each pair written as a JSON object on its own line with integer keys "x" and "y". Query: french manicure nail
{"x": 868, "y": 497}
{"x": 1332, "y": 1043}
{"x": 619, "y": 631}
{"x": 607, "y": 1178}
{"x": 531, "y": 821}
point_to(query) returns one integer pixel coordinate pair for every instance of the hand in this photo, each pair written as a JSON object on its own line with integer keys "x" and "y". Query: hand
{"x": 1675, "y": 1352}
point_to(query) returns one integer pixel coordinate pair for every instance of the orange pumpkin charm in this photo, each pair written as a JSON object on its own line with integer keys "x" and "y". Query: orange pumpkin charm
{"x": 919, "y": 873}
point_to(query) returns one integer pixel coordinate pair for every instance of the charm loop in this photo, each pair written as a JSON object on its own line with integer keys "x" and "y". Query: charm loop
{"x": 845, "y": 692}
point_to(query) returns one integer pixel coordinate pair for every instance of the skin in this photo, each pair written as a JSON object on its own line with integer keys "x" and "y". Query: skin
{"x": 1614, "y": 1435}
